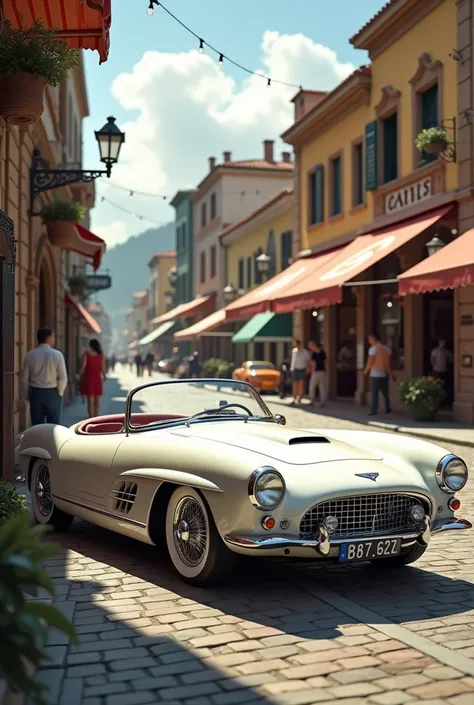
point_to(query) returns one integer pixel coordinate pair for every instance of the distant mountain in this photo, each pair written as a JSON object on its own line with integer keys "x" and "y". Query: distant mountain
{"x": 127, "y": 265}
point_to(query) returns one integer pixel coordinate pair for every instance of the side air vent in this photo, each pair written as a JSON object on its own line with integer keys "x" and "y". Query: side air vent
{"x": 304, "y": 440}
{"x": 124, "y": 496}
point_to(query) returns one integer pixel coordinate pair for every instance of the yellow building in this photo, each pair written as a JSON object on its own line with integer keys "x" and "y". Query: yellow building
{"x": 159, "y": 286}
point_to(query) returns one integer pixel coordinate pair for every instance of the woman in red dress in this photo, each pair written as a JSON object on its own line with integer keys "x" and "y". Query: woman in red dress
{"x": 93, "y": 375}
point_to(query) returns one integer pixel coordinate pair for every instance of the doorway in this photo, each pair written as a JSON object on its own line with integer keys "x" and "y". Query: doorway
{"x": 438, "y": 318}
{"x": 346, "y": 321}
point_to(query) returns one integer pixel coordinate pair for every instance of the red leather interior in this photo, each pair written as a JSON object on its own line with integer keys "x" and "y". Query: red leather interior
{"x": 114, "y": 423}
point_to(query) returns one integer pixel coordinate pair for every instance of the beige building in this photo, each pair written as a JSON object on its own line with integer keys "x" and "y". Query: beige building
{"x": 159, "y": 287}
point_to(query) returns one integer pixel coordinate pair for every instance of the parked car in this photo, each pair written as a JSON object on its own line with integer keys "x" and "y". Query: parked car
{"x": 217, "y": 476}
{"x": 167, "y": 366}
{"x": 263, "y": 376}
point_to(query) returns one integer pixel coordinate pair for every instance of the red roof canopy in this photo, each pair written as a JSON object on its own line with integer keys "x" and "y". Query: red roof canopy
{"x": 205, "y": 325}
{"x": 83, "y": 313}
{"x": 84, "y": 24}
{"x": 202, "y": 304}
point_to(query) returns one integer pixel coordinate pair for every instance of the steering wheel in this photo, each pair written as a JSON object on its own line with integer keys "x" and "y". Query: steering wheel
{"x": 205, "y": 412}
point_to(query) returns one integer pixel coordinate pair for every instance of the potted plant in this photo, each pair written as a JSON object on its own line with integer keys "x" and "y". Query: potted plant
{"x": 211, "y": 367}
{"x": 11, "y": 502}
{"x": 422, "y": 396}
{"x": 433, "y": 140}
{"x": 30, "y": 60}
{"x": 77, "y": 285}
{"x": 25, "y": 621}
{"x": 60, "y": 217}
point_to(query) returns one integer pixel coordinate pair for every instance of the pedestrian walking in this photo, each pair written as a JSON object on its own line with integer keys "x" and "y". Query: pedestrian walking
{"x": 300, "y": 359}
{"x": 44, "y": 379}
{"x": 379, "y": 367}
{"x": 317, "y": 380}
{"x": 194, "y": 368}
{"x": 113, "y": 362}
{"x": 149, "y": 360}
{"x": 93, "y": 374}
{"x": 138, "y": 364}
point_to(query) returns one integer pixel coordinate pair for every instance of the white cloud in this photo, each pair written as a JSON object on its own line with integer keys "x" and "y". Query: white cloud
{"x": 189, "y": 109}
{"x": 114, "y": 234}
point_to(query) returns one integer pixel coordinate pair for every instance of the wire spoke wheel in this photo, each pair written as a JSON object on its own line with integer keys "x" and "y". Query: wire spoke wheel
{"x": 42, "y": 492}
{"x": 190, "y": 531}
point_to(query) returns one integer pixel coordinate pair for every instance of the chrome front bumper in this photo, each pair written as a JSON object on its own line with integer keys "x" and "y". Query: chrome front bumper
{"x": 323, "y": 544}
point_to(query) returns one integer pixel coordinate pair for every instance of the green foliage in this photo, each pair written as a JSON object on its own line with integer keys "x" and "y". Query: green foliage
{"x": 211, "y": 366}
{"x": 225, "y": 369}
{"x": 63, "y": 210}
{"x": 24, "y": 623}
{"x": 432, "y": 135}
{"x": 36, "y": 50}
{"x": 11, "y": 503}
{"x": 424, "y": 393}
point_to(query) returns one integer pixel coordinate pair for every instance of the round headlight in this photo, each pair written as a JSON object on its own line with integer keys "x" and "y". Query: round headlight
{"x": 451, "y": 473}
{"x": 266, "y": 488}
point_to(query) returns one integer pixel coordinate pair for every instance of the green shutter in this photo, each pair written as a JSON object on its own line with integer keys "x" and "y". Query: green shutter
{"x": 371, "y": 176}
{"x": 336, "y": 203}
{"x": 319, "y": 194}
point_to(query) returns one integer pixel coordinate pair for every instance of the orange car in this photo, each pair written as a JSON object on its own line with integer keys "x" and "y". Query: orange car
{"x": 261, "y": 375}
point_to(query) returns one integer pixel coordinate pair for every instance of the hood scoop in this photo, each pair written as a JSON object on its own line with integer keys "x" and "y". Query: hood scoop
{"x": 305, "y": 440}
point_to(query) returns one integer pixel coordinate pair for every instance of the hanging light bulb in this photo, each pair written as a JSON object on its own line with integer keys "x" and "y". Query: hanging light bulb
{"x": 151, "y": 9}
{"x": 201, "y": 46}
{"x": 269, "y": 82}
{"x": 221, "y": 61}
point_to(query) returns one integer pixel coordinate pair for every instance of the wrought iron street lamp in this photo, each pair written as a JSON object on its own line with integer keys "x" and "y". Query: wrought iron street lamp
{"x": 263, "y": 265}
{"x": 229, "y": 293}
{"x": 434, "y": 245}
{"x": 110, "y": 140}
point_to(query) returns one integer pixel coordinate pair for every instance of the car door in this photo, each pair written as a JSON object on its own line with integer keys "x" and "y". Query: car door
{"x": 85, "y": 466}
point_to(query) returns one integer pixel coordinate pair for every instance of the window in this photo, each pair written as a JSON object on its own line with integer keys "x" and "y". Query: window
{"x": 358, "y": 174}
{"x": 203, "y": 215}
{"x": 213, "y": 261}
{"x": 178, "y": 239}
{"x": 249, "y": 272}
{"x": 390, "y": 148}
{"x": 429, "y": 115}
{"x": 202, "y": 267}
{"x": 316, "y": 195}
{"x": 183, "y": 236}
{"x": 241, "y": 283}
{"x": 286, "y": 246}
{"x": 213, "y": 206}
{"x": 336, "y": 186}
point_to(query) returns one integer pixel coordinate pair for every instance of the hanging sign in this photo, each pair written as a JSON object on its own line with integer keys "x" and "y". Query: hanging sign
{"x": 408, "y": 196}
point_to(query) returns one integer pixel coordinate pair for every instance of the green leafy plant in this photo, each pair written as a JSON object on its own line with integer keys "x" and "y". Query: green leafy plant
{"x": 63, "y": 210}
{"x": 38, "y": 51}
{"x": 225, "y": 369}
{"x": 24, "y": 623}
{"x": 211, "y": 366}
{"x": 11, "y": 503}
{"x": 432, "y": 136}
{"x": 423, "y": 393}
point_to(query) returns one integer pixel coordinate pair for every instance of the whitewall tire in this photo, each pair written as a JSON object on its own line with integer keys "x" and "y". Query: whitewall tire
{"x": 196, "y": 550}
{"x": 44, "y": 509}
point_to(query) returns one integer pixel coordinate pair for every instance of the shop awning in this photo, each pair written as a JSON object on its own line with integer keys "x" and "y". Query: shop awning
{"x": 84, "y": 24}
{"x": 324, "y": 287}
{"x": 266, "y": 327}
{"x": 205, "y": 325}
{"x": 260, "y": 300}
{"x": 83, "y": 313}
{"x": 133, "y": 345}
{"x": 157, "y": 333}
{"x": 202, "y": 304}
{"x": 450, "y": 268}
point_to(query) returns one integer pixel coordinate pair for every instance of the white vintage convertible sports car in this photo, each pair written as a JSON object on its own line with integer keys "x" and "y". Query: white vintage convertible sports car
{"x": 212, "y": 472}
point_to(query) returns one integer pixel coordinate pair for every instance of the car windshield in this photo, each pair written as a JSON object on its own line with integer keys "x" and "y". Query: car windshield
{"x": 261, "y": 366}
{"x": 195, "y": 399}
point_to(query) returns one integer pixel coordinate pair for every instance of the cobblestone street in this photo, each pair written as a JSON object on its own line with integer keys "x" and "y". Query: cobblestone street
{"x": 278, "y": 634}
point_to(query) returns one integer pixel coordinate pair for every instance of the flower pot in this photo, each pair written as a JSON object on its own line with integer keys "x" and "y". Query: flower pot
{"x": 422, "y": 414}
{"x": 435, "y": 148}
{"x": 61, "y": 233}
{"x": 21, "y": 98}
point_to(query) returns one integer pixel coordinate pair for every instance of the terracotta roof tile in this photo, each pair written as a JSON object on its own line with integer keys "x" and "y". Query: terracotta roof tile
{"x": 257, "y": 164}
{"x": 372, "y": 19}
{"x": 170, "y": 253}
{"x": 257, "y": 211}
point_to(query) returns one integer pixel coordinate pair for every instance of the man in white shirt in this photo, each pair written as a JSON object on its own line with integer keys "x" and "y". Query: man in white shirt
{"x": 44, "y": 379}
{"x": 300, "y": 359}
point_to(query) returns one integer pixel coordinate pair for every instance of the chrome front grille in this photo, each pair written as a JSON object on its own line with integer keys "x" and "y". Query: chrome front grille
{"x": 363, "y": 515}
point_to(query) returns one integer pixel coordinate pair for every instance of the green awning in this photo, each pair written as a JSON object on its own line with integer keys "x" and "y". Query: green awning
{"x": 157, "y": 333}
{"x": 266, "y": 327}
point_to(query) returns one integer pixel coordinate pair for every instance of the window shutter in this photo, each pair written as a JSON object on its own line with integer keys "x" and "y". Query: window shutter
{"x": 371, "y": 176}
{"x": 319, "y": 194}
{"x": 429, "y": 107}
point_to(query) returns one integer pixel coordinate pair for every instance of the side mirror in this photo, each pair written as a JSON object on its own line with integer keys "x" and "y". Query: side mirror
{"x": 281, "y": 420}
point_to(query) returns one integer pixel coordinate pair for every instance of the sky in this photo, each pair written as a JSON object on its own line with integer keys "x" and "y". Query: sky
{"x": 178, "y": 108}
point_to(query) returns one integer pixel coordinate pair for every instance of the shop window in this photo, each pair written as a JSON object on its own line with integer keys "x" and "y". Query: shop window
{"x": 335, "y": 166}
{"x": 213, "y": 266}
{"x": 316, "y": 195}
{"x": 202, "y": 267}
{"x": 390, "y": 147}
{"x": 241, "y": 283}
{"x": 249, "y": 272}
{"x": 357, "y": 174}
{"x": 259, "y": 350}
{"x": 203, "y": 215}
{"x": 286, "y": 246}
{"x": 213, "y": 206}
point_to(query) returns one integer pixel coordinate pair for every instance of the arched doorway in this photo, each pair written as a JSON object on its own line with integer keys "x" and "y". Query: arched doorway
{"x": 47, "y": 294}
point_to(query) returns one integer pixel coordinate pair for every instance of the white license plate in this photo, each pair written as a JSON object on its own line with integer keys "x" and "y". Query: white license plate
{"x": 368, "y": 550}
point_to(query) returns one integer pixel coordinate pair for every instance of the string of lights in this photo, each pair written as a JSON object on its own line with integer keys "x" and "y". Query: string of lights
{"x": 134, "y": 192}
{"x": 221, "y": 55}
{"x": 103, "y": 199}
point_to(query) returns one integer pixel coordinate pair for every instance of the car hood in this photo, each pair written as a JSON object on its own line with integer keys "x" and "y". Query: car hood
{"x": 287, "y": 445}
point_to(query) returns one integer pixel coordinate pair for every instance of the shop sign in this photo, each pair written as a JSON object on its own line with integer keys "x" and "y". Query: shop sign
{"x": 98, "y": 282}
{"x": 408, "y": 196}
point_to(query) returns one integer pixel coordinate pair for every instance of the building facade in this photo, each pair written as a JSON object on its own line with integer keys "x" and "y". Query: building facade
{"x": 183, "y": 205}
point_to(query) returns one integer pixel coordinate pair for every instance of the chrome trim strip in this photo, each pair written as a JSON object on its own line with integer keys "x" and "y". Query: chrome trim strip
{"x": 104, "y": 512}
{"x": 453, "y": 524}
